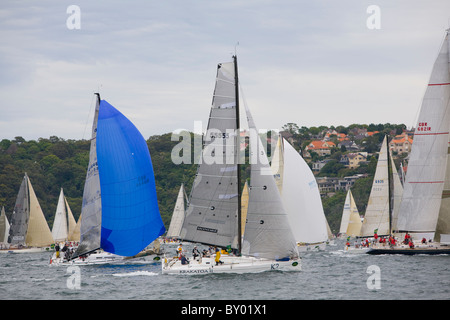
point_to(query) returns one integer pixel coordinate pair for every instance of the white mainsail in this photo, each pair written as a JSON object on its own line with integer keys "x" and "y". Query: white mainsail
{"x": 345, "y": 214}
{"x": 177, "y": 216}
{"x": 425, "y": 206}
{"x": 300, "y": 195}
{"x": 377, "y": 216}
{"x": 4, "y": 227}
{"x": 59, "y": 229}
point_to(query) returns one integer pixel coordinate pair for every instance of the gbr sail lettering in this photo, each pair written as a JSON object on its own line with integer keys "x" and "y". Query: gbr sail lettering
{"x": 423, "y": 126}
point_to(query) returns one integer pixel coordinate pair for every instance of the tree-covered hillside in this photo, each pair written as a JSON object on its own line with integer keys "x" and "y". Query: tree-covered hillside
{"x": 55, "y": 163}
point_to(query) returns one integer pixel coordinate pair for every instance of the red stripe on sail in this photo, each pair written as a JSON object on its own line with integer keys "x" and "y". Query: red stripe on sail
{"x": 426, "y": 181}
{"x": 439, "y": 84}
{"x": 430, "y": 134}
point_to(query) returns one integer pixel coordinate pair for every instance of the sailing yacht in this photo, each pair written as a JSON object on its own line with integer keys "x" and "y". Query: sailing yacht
{"x": 214, "y": 214}
{"x": 120, "y": 215}
{"x": 425, "y": 207}
{"x": 4, "y": 229}
{"x": 382, "y": 205}
{"x": 64, "y": 223}
{"x": 351, "y": 221}
{"x": 29, "y": 231}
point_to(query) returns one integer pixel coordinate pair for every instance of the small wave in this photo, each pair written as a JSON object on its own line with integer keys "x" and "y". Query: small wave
{"x": 42, "y": 279}
{"x": 135, "y": 273}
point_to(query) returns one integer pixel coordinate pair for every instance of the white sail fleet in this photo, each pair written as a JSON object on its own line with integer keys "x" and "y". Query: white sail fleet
{"x": 257, "y": 223}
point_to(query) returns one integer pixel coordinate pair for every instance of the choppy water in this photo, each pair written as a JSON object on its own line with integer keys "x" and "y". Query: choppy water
{"x": 329, "y": 274}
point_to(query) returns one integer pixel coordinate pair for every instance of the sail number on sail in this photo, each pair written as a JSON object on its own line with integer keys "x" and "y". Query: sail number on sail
{"x": 423, "y": 126}
{"x": 223, "y": 135}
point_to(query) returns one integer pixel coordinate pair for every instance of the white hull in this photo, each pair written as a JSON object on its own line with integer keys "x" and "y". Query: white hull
{"x": 101, "y": 258}
{"x": 27, "y": 250}
{"x": 231, "y": 264}
{"x": 353, "y": 250}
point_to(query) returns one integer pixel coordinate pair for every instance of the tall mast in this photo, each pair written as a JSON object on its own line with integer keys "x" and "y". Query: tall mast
{"x": 390, "y": 185}
{"x": 238, "y": 145}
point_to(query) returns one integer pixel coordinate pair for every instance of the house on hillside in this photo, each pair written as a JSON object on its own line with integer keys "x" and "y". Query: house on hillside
{"x": 318, "y": 165}
{"x": 401, "y": 143}
{"x": 354, "y": 160}
{"x": 348, "y": 145}
{"x": 331, "y": 133}
{"x": 330, "y": 185}
{"x": 322, "y": 148}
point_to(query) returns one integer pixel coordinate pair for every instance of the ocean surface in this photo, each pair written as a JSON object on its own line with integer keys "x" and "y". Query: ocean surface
{"x": 326, "y": 275}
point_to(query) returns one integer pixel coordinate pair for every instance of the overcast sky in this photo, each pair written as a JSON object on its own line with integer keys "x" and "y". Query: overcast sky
{"x": 309, "y": 62}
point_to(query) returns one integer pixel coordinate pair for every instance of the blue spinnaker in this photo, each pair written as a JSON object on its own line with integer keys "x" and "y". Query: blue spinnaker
{"x": 130, "y": 213}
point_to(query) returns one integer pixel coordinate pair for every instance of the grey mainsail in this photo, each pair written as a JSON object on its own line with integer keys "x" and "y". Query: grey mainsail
{"x": 212, "y": 213}
{"x": 20, "y": 216}
{"x": 92, "y": 206}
